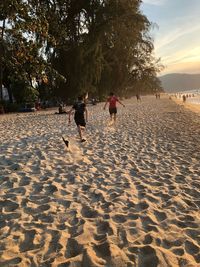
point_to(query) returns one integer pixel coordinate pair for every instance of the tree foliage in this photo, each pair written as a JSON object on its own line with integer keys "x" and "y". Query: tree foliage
{"x": 82, "y": 45}
{"x": 23, "y": 38}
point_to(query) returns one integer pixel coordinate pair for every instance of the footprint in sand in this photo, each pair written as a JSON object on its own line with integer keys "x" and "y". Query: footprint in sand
{"x": 110, "y": 126}
{"x": 54, "y": 245}
{"x": 88, "y": 212}
{"x": 160, "y": 216}
{"x": 11, "y": 262}
{"x": 28, "y": 242}
{"x": 191, "y": 247}
{"x": 73, "y": 248}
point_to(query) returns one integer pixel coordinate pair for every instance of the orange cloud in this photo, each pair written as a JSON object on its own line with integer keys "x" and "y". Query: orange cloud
{"x": 183, "y": 67}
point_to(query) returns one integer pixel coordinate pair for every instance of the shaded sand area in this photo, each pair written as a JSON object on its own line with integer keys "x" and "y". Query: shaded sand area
{"x": 129, "y": 196}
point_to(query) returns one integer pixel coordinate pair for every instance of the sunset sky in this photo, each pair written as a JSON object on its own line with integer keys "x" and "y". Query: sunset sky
{"x": 177, "y": 37}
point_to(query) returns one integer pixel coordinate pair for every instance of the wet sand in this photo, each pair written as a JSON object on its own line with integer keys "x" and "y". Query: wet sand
{"x": 195, "y": 107}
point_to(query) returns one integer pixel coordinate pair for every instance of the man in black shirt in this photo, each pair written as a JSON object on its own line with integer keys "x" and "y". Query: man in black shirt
{"x": 80, "y": 116}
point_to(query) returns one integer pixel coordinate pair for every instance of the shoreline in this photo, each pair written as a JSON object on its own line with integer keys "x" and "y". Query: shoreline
{"x": 190, "y": 106}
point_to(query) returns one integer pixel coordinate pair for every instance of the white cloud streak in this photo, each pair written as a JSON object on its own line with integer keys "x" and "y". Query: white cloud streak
{"x": 154, "y": 2}
{"x": 173, "y": 35}
{"x": 179, "y": 47}
{"x": 177, "y": 40}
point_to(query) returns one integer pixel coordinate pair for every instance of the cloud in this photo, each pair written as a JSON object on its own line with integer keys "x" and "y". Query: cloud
{"x": 183, "y": 67}
{"x": 178, "y": 53}
{"x": 168, "y": 38}
{"x": 179, "y": 46}
{"x": 154, "y": 2}
{"x": 177, "y": 39}
{"x": 186, "y": 60}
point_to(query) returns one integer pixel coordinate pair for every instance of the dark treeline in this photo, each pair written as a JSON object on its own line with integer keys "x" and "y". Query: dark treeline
{"x": 68, "y": 47}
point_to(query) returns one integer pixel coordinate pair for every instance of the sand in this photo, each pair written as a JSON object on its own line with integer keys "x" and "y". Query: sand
{"x": 195, "y": 107}
{"x": 129, "y": 196}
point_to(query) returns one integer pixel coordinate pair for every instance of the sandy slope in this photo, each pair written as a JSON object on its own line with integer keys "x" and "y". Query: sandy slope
{"x": 129, "y": 196}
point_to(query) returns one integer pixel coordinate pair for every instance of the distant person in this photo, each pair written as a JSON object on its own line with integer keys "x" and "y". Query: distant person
{"x": 157, "y": 95}
{"x": 112, "y": 100}
{"x": 37, "y": 105}
{"x": 80, "y": 116}
{"x": 61, "y": 110}
{"x": 138, "y": 97}
{"x": 1, "y": 109}
{"x": 184, "y": 98}
{"x": 93, "y": 101}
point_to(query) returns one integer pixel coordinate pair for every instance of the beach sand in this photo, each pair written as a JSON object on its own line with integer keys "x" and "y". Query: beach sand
{"x": 129, "y": 196}
{"x": 189, "y": 105}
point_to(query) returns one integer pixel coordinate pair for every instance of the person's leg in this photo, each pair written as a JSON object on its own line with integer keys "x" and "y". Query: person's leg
{"x": 81, "y": 127}
{"x": 80, "y": 131}
{"x": 115, "y": 117}
{"x": 115, "y": 114}
{"x": 110, "y": 112}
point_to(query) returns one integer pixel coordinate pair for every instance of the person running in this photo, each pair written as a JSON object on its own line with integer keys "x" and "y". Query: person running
{"x": 80, "y": 116}
{"x": 112, "y": 100}
{"x": 138, "y": 97}
{"x": 61, "y": 110}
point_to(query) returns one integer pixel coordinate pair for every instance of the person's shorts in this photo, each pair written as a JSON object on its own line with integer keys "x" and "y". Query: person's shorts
{"x": 113, "y": 111}
{"x": 80, "y": 121}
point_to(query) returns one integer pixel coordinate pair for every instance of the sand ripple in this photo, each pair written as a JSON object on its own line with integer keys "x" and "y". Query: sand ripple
{"x": 129, "y": 196}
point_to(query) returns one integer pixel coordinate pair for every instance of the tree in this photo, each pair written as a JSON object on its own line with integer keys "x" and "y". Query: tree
{"x": 83, "y": 45}
{"x": 104, "y": 46}
{"x": 23, "y": 38}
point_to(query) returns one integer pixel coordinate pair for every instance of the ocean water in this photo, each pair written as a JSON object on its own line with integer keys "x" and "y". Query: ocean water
{"x": 193, "y": 96}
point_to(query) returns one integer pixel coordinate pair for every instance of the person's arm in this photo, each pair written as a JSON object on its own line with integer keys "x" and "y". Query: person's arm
{"x": 106, "y": 104}
{"x": 121, "y": 103}
{"x": 69, "y": 115}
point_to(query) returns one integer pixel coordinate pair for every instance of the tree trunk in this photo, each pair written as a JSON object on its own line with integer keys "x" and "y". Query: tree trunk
{"x": 1, "y": 60}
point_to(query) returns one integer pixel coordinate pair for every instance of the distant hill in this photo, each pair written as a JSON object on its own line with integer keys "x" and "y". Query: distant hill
{"x": 176, "y": 82}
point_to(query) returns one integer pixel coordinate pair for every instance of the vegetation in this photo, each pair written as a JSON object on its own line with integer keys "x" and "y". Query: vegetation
{"x": 68, "y": 47}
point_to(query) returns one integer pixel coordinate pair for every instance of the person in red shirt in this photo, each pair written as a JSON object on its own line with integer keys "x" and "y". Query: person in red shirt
{"x": 112, "y": 100}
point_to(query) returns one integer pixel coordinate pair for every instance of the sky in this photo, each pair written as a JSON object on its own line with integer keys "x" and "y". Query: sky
{"x": 177, "y": 37}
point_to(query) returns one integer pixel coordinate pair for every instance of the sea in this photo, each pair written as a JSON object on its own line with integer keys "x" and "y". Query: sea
{"x": 193, "y": 96}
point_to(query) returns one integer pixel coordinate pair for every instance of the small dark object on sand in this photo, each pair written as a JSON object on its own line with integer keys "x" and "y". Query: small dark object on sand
{"x": 65, "y": 141}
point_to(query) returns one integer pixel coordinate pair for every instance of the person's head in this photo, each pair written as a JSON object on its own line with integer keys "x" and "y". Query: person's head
{"x": 80, "y": 98}
{"x": 111, "y": 94}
